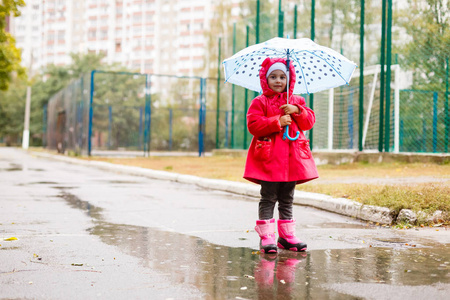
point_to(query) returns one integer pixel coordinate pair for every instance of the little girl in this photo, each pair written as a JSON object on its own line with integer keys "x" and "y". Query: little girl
{"x": 277, "y": 164}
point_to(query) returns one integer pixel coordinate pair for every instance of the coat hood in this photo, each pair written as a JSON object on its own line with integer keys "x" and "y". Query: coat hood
{"x": 262, "y": 76}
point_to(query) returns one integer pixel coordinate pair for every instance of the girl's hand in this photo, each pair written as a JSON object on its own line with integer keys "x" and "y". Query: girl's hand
{"x": 290, "y": 109}
{"x": 285, "y": 120}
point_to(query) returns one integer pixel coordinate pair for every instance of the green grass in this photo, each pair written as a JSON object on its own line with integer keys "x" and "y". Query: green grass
{"x": 419, "y": 197}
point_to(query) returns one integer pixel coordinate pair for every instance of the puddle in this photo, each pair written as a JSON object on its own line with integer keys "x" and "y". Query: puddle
{"x": 75, "y": 202}
{"x": 16, "y": 167}
{"x": 239, "y": 273}
{"x": 38, "y": 182}
{"x": 11, "y": 169}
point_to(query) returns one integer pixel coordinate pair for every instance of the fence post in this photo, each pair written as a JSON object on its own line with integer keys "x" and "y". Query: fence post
{"x": 218, "y": 96}
{"x": 148, "y": 115}
{"x": 201, "y": 117}
{"x": 170, "y": 128}
{"x": 388, "y": 77}
{"x": 257, "y": 22}
{"x": 361, "y": 81}
{"x": 81, "y": 129}
{"x": 109, "y": 126}
{"x": 233, "y": 92}
{"x": 246, "y": 97}
{"x": 255, "y": 94}
{"x": 295, "y": 21}
{"x": 424, "y": 135}
{"x": 382, "y": 81}
{"x": 280, "y": 20}
{"x": 435, "y": 119}
{"x": 311, "y": 96}
{"x": 226, "y": 129}
{"x": 91, "y": 113}
{"x": 330, "y": 118}
{"x": 397, "y": 109}
{"x": 447, "y": 121}
{"x": 140, "y": 128}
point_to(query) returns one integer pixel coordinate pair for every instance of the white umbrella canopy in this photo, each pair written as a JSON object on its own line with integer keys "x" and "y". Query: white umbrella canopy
{"x": 317, "y": 68}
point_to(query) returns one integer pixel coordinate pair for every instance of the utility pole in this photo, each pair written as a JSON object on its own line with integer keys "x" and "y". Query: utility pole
{"x": 26, "y": 125}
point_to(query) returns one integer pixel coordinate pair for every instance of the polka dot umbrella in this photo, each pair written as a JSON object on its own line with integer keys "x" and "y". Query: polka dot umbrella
{"x": 317, "y": 68}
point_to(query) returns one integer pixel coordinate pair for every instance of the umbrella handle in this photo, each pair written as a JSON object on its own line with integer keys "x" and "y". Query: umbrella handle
{"x": 286, "y": 134}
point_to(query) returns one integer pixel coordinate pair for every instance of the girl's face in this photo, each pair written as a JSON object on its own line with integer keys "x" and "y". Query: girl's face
{"x": 277, "y": 81}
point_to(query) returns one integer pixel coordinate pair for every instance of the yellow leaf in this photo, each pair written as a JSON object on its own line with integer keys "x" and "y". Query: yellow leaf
{"x": 11, "y": 239}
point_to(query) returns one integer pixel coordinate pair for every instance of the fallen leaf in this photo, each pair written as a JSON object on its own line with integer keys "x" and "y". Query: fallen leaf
{"x": 11, "y": 239}
{"x": 77, "y": 265}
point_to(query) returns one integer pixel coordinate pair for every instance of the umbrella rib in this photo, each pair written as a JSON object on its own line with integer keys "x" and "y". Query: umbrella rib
{"x": 234, "y": 72}
{"x": 328, "y": 64}
{"x": 303, "y": 73}
{"x": 259, "y": 51}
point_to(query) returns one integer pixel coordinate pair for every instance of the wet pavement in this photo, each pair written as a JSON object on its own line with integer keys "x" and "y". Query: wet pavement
{"x": 86, "y": 233}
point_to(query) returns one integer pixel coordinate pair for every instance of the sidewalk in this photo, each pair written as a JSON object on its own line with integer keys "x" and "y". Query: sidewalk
{"x": 342, "y": 206}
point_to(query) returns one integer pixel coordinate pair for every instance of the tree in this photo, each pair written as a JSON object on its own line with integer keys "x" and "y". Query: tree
{"x": 9, "y": 55}
{"x": 424, "y": 54}
{"x": 49, "y": 81}
{"x": 428, "y": 27}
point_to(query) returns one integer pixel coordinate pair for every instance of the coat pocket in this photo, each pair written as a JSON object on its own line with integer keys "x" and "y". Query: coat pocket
{"x": 263, "y": 149}
{"x": 303, "y": 149}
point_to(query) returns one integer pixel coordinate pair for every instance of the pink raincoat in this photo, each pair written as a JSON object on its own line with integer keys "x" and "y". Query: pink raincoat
{"x": 270, "y": 158}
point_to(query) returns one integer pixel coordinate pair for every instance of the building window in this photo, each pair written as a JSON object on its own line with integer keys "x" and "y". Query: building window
{"x": 91, "y": 34}
{"x": 61, "y": 34}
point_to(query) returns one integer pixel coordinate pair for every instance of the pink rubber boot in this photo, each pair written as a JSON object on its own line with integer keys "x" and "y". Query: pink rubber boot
{"x": 266, "y": 231}
{"x": 287, "y": 239}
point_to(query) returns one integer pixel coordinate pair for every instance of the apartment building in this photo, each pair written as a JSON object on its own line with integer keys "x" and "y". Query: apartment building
{"x": 152, "y": 36}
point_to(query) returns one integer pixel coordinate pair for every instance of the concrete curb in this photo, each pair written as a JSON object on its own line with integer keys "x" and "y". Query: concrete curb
{"x": 341, "y": 206}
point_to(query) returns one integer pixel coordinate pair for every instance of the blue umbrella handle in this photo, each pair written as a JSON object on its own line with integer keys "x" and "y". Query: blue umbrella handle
{"x": 286, "y": 134}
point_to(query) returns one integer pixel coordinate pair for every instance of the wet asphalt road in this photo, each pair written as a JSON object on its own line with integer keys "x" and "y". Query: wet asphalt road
{"x": 84, "y": 233}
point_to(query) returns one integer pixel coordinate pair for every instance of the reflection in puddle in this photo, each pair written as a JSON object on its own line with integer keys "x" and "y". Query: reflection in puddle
{"x": 235, "y": 273}
{"x": 16, "y": 167}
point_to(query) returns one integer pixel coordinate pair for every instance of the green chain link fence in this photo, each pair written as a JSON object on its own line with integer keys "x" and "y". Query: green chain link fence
{"x": 401, "y": 107}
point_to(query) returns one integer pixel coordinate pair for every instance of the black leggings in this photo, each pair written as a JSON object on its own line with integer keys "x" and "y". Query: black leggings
{"x": 271, "y": 192}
